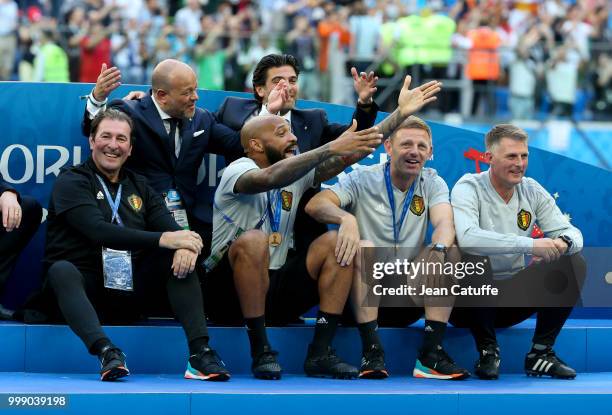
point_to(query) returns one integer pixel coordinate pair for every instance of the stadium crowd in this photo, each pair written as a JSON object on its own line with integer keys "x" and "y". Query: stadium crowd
{"x": 552, "y": 50}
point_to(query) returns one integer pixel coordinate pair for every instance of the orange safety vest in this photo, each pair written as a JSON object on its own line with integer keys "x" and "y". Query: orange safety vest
{"x": 483, "y": 57}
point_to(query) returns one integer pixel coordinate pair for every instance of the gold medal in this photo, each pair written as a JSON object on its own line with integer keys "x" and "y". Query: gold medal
{"x": 275, "y": 239}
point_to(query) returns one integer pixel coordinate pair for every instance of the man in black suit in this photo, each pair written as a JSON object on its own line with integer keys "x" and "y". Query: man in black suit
{"x": 171, "y": 136}
{"x": 275, "y": 90}
{"x": 21, "y": 216}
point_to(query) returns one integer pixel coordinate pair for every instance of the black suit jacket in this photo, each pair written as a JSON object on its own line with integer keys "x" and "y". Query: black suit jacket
{"x": 152, "y": 155}
{"x": 312, "y": 129}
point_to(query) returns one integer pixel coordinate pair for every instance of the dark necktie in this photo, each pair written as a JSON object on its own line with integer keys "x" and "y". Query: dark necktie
{"x": 174, "y": 124}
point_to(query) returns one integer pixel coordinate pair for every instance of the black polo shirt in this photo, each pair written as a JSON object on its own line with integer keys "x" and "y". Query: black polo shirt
{"x": 79, "y": 218}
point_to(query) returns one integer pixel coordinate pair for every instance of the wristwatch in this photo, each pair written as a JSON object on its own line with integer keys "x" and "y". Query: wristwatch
{"x": 439, "y": 247}
{"x": 567, "y": 240}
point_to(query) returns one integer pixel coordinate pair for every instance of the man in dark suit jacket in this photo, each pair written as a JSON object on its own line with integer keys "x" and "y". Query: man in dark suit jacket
{"x": 275, "y": 88}
{"x": 171, "y": 134}
{"x": 21, "y": 216}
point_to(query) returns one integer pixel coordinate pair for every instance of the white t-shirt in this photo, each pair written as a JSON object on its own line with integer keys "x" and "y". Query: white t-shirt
{"x": 363, "y": 193}
{"x": 237, "y": 210}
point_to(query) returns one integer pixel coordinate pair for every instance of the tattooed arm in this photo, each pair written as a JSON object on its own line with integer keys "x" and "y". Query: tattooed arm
{"x": 289, "y": 170}
{"x": 409, "y": 102}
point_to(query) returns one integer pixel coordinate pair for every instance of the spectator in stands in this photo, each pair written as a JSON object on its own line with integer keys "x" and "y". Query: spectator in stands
{"x": 8, "y": 37}
{"x": 71, "y": 34}
{"x": 126, "y": 44}
{"x": 332, "y": 25}
{"x": 211, "y": 55}
{"x": 578, "y": 31}
{"x": 302, "y": 43}
{"x": 525, "y": 72}
{"x": 21, "y": 217}
{"x": 51, "y": 62}
{"x": 562, "y": 78}
{"x": 189, "y": 18}
{"x": 364, "y": 25}
{"x": 261, "y": 45}
{"x": 95, "y": 49}
{"x": 111, "y": 242}
{"x": 495, "y": 213}
{"x": 483, "y": 66}
{"x": 602, "y": 86}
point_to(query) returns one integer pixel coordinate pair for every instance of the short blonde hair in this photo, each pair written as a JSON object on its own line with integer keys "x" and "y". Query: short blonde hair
{"x": 500, "y": 131}
{"x": 412, "y": 122}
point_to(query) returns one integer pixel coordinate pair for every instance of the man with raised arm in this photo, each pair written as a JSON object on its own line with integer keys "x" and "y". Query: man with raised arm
{"x": 256, "y": 273}
{"x": 172, "y": 136}
{"x": 275, "y": 91}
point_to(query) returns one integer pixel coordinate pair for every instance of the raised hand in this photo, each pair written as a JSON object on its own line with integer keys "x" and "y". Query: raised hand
{"x": 134, "y": 95}
{"x": 412, "y": 100}
{"x": 352, "y": 141}
{"x": 108, "y": 80}
{"x": 365, "y": 85}
{"x": 278, "y": 96}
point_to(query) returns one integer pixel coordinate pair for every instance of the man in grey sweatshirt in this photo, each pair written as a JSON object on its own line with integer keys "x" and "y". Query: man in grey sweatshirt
{"x": 495, "y": 212}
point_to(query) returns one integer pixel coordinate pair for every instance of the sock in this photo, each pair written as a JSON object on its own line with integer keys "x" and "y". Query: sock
{"x": 98, "y": 345}
{"x": 256, "y": 329}
{"x": 538, "y": 348}
{"x": 369, "y": 335}
{"x": 324, "y": 331}
{"x": 433, "y": 335}
{"x": 197, "y": 344}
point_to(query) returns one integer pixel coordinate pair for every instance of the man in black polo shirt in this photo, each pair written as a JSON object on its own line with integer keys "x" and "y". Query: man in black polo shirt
{"x": 111, "y": 242}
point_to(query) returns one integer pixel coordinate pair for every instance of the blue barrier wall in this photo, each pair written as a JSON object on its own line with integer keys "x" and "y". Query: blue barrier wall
{"x": 42, "y": 133}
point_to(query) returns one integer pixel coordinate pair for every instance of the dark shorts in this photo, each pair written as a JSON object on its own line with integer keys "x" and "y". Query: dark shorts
{"x": 292, "y": 292}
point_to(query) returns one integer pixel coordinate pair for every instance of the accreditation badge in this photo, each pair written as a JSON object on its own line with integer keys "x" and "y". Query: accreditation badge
{"x": 117, "y": 268}
{"x": 175, "y": 205}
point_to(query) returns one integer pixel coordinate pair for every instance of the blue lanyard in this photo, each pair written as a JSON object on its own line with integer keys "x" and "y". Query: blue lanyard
{"x": 397, "y": 225}
{"x": 276, "y": 217}
{"x": 114, "y": 204}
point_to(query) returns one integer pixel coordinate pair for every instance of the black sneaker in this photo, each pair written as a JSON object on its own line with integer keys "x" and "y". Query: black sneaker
{"x": 487, "y": 366}
{"x": 112, "y": 361}
{"x": 206, "y": 365}
{"x": 265, "y": 365}
{"x": 6, "y": 314}
{"x": 373, "y": 364}
{"x": 437, "y": 364}
{"x": 546, "y": 363}
{"x": 328, "y": 365}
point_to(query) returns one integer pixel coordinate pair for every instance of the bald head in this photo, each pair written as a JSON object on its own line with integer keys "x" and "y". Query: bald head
{"x": 168, "y": 70}
{"x": 258, "y": 126}
{"x": 174, "y": 86}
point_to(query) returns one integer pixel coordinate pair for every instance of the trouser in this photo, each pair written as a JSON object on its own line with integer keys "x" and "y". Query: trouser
{"x": 12, "y": 243}
{"x": 482, "y": 321}
{"x": 8, "y": 48}
{"x": 84, "y": 302}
